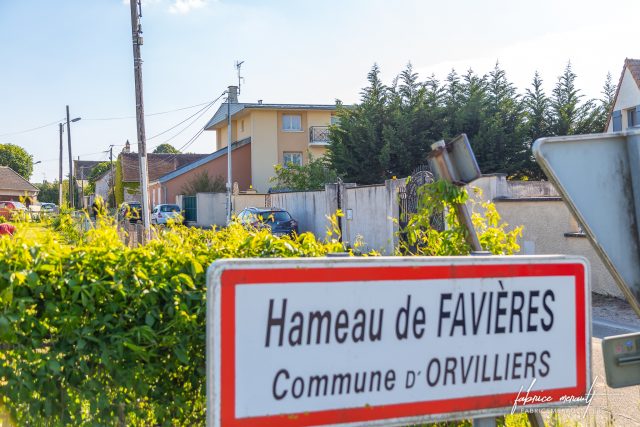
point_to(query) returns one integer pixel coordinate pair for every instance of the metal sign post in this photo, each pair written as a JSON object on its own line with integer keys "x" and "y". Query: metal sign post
{"x": 391, "y": 341}
{"x": 455, "y": 162}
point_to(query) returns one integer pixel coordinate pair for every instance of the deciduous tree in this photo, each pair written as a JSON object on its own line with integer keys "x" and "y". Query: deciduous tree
{"x": 17, "y": 159}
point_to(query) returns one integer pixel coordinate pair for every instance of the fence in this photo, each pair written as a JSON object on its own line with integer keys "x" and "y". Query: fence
{"x": 131, "y": 234}
{"x": 190, "y": 208}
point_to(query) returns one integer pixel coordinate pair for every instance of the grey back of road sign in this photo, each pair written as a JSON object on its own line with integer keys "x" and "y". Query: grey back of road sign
{"x": 461, "y": 162}
{"x": 598, "y": 176}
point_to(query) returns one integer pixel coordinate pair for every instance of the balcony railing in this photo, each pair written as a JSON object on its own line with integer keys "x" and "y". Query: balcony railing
{"x": 319, "y": 135}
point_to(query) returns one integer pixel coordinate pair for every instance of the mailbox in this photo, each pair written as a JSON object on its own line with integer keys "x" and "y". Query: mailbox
{"x": 621, "y": 354}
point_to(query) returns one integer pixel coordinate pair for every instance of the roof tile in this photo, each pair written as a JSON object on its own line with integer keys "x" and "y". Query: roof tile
{"x": 10, "y": 180}
{"x": 158, "y": 164}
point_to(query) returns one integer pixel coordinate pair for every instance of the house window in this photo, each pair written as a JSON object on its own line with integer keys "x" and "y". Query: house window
{"x": 292, "y": 122}
{"x": 632, "y": 118}
{"x": 335, "y": 120}
{"x": 294, "y": 157}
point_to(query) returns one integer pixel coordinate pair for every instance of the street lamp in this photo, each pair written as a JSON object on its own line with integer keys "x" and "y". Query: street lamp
{"x": 61, "y": 128}
{"x": 71, "y": 203}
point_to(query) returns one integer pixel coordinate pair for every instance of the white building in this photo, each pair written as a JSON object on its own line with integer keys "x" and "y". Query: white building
{"x": 626, "y": 106}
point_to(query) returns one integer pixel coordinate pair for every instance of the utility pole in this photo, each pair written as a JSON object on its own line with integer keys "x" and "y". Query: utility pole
{"x": 232, "y": 96}
{"x": 71, "y": 203}
{"x": 60, "y": 168}
{"x": 81, "y": 184}
{"x": 113, "y": 186}
{"x": 136, "y": 30}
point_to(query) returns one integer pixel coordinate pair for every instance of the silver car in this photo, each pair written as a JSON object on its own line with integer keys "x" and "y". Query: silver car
{"x": 161, "y": 213}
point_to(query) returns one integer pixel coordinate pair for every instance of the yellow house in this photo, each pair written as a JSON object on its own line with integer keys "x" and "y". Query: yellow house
{"x": 277, "y": 134}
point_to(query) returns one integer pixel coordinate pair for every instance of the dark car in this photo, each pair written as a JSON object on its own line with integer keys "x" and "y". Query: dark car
{"x": 131, "y": 211}
{"x": 278, "y": 220}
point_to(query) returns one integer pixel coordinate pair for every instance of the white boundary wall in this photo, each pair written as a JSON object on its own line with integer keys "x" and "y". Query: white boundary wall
{"x": 371, "y": 214}
{"x": 211, "y": 209}
{"x": 311, "y": 209}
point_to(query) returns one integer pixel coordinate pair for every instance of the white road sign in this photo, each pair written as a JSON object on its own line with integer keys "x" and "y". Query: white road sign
{"x": 387, "y": 341}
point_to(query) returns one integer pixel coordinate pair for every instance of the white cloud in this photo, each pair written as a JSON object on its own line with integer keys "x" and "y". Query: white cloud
{"x": 185, "y": 6}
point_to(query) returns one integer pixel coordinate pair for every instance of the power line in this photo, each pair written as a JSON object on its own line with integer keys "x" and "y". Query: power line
{"x": 103, "y": 118}
{"x": 201, "y": 113}
{"x": 175, "y": 126}
{"x": 32, "y": 129}
{"x": 150, "y": 114}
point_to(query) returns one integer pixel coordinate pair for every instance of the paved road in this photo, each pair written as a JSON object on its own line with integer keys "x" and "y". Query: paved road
{"x": 609, "y": 407}
{"x": 602, "y": 327}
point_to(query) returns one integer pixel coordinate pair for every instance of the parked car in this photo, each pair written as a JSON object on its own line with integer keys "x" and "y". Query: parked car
{"x": 131, "y": 211}
{"x": 9, "y": 209}
{"x": 278, "y": 220}
{"x": 48, "y": 207}
{"x": 161, "y": 213}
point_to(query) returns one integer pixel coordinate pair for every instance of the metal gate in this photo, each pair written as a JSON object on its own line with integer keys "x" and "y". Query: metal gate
{"x": 190, "y": 208}
{"x": 408, "y": 198}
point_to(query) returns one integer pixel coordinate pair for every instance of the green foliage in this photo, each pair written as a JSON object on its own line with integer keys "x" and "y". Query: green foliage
{"x": 166, "y": 149}
{"x": 17, "y": 159}
{"x": 118, "y": 185}
{"x": 441, "y": 198}
{"x": 96, "y": 173}
{"x": 48, "y": 192}
{"x": 311, "y": 176}
{"x": 389, "y": 133}
{"x": 202, "y": 183}
{"x": 565, "y": 105}
{"x": 96, "y": 333}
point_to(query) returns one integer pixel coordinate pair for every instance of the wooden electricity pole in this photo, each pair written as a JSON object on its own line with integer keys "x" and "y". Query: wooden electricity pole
{"x": 60, "y": 198}
{"x": 136, "y": 30}
{"x": 112, "y": 180}
{"x": 71, "y": 201}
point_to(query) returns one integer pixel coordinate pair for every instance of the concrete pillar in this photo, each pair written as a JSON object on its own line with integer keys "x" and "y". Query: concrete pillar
{"x": 392, "y": 187}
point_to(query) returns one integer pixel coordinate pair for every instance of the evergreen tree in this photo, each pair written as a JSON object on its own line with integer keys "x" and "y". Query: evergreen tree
{"x": 504, "y": 129}
{"x": 390, "y": 132}
{"x": 402, "y": 131}
{"x": 538, "y": 123}
{"x": 358, "y": 151}
{"x": 570, "y": 117}
{"x": 606, "y": 102}
{"x": 537, "y": 113}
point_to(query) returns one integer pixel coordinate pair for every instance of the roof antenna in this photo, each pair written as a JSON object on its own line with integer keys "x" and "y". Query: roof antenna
{"x": 238, "y": 66}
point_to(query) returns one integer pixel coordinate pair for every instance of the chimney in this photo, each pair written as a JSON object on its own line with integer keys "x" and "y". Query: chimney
{"x": 260, "y": 101}
{"x": 233, "y": 94}
{"x": 127, "y": 147}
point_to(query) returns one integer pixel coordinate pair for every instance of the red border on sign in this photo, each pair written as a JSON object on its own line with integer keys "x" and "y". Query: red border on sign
{"x": 231, "y": 278}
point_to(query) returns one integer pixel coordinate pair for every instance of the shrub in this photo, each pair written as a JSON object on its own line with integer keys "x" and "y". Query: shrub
{"x": 440, "y": 198}
{"x": 102, "y": 334}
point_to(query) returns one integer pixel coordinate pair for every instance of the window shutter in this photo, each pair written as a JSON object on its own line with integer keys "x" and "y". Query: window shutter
{"x": 617, "y": 120}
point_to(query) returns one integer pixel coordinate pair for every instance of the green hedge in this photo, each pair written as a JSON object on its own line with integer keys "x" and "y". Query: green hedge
{"x": 96, "y": 333}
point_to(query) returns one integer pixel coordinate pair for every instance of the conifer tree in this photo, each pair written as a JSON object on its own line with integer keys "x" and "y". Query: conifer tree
{"x": 537, "y": 123}
{"x": 357, "y": 149}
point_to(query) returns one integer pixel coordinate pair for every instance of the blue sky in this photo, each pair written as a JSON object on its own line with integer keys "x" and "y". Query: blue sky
{"x": 78, "y": 52}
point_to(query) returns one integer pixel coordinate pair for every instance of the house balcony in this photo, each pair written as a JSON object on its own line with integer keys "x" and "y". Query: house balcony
{"x": 318, "y": 135}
